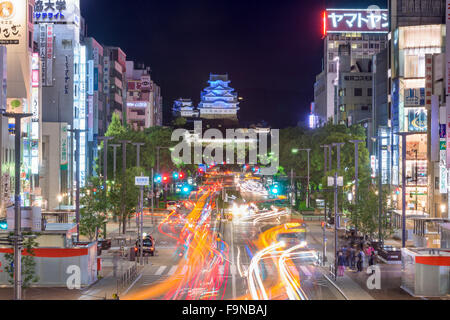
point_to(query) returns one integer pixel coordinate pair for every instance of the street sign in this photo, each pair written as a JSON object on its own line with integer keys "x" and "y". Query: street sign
{"x": 340, "y": 181}
{"x": 142, "y": 181}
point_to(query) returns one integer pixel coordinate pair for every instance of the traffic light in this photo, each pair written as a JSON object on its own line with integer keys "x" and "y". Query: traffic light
{"x": 181, "y": 175}
{"x": 165, "y": 179}
{"x": 158, "y": 178}
{"x": 275, "y": 190}
{"x": 175, "y": 175}
{"x": 186, "y": 189}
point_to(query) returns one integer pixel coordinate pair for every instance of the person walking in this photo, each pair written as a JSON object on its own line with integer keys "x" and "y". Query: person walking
{"x": 352, "y": 257}
{"x": 359, "y": 264}
{"x": 341, "y": 264}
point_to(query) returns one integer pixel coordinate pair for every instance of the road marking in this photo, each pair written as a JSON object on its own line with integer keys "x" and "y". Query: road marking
{"x": 172, "y": 270}
{"x": 160, "y": 270}
{"x": 89, "y": 295}
{"x": 185, "y": 269}
{"x": 306, "y": 271}
{"x": 134, "y": 282}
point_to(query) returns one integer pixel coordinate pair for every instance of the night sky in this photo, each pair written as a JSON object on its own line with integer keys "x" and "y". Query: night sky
{"x": 271, "y": 50}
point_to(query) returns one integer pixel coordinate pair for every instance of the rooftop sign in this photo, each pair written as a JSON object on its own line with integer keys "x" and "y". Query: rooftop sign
{"x": 355, "y": 20}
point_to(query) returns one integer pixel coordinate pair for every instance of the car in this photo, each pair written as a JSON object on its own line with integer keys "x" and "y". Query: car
{"x": 171, "y": 205}
{"x": 104, "y": 243}
{"x": 148, "y": 244}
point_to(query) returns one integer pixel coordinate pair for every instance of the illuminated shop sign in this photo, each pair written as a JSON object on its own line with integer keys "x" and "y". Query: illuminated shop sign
{"x": 417, "y": 120}
{"x": 12, "y": 22}
{"x": 57, "y": 10}
{"x": 137, "y": 104}
{"x": 356, "y": 20}
{"x": 414, "y": 97}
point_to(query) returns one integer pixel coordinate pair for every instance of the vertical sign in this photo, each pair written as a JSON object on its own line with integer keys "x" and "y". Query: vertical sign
{"x": 447, "y": 77}
{"x": 43, "y": 51}
{"x": 49, "y": 55}
{"x": 64, "y": 156}
{"x": 434, "y": 130}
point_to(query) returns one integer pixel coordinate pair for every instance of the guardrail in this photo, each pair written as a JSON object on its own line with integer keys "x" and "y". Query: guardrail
{"x": 127, "y": 277}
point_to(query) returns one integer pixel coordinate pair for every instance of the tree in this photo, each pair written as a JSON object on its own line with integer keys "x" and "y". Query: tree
{"x": 28, "y": 263}
{"x": 124, "y": 195}
{"x": 179, "y": 122}
{"x": 94, "y": 208}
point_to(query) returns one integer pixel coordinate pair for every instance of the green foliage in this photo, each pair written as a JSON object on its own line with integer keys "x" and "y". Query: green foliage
{"x": 28, "y": 263}
{"x": 94, "y": 208}
{"x": 124, "y": 195}
{"x": 179, "y": 122}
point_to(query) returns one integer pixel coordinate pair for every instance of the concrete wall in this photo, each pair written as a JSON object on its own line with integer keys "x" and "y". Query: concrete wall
{"x": 52, "y": 266}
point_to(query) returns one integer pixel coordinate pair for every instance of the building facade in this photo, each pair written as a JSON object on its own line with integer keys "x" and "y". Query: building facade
{"x": 365, "y": 32}
{"x": 144, "y": 101}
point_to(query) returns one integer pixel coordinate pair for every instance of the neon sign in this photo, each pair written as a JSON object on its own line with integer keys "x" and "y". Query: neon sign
{"x": 356, "y": 20}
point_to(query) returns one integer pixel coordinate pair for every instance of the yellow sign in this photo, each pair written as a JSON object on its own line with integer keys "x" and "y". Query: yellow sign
{"x": 6, "y": 10}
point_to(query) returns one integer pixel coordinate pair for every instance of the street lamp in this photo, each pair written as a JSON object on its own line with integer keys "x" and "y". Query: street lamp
{"x": 77, "y": 178}
{"x": 115, "y": 146}
{"x": 356, "y": 143}
{"x": 379, "y": 139}
{"x": 404, "y": 135}
{"x": 124, "y": 168}
{"x": 17, "y": 203}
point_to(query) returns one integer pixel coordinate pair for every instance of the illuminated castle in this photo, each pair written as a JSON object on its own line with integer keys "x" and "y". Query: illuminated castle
{"x": 218, "y": 101}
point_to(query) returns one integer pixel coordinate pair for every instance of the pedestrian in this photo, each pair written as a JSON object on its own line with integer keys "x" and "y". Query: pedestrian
{"x": 352, "y": 257}
{"x": 360, "y": 261}
{"x": 371, "y": 257}
{"x": 115, "y": 263}
{"x": 341, "y": 264}
{"x": 344, "y": 254}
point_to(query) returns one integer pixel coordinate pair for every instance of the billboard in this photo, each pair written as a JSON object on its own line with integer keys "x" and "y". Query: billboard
{"x": 417, "y": 120}
{"x": 57, "y": 11}
{"x": 13, "y": 22}
{"x": 447, "y": 58}
{"x": 356, "y": 20}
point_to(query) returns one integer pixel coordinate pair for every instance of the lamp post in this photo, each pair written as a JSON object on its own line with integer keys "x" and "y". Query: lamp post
{"x": 380, "y": 139}
{"x": 356, "y": 143}
{"x": 325, "y": 147}
{"x": 138, "y": 164}
{"x": 17, "y": 204}
{"x": 115, "y": 146}
{"x": 124, "y": 168}
{"x": 404, "y": 135}
{"x": 336, "y": 215}
{"x": 77, "y": 178}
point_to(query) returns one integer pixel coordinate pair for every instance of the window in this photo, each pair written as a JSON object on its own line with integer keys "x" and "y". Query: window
{"x": 358, "y": 92}
{"x": 342, "y": 92}
{"x": 369, "y": 92}
{"x": 364, "y": 108}
{"x": 342, "y": 108}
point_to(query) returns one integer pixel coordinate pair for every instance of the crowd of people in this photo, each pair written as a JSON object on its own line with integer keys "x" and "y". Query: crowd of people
{"x": 355, "y": 258}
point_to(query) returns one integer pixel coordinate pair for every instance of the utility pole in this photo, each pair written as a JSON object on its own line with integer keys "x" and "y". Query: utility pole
{"x": 17, "y": 204}
{"x": 124, "y": 168}
{"x": 380, "y": 185}
{"x": 115, "y": 146}
{"x": 404, "y": 135}
{"x": 356, "y": 143}
{"x": 141, "y": 233}
{"x": 336, "y": 215}
{"x": 153, "y": 196}
{"x": 77, "y": 178}
{"x": 292, "y": 187}
{"x": 105, "y": 170}
{"x": 325, "y": 147}
{"x": 138, "y": 164}
{"x": 307, "y": 189}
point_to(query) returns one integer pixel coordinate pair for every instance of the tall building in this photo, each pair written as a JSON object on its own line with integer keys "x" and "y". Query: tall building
{"x": 365, "y": 32}
{"x": 184, "y": 108}
{"x": 23, "y": 89}
{"x": 218, "y": 100}
{"x": 64, "y": 98}
{"x": 354, "y": 87}
{"x": 6, "y": 142}
{"x": 115, "y": 84}
{"x": 96, "y": 100}
{"x": 144, "y": 101}
{"x": 416, "y": 100}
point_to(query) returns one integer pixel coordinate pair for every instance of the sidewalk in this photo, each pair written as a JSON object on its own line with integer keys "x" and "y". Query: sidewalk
{"x": 353, "y": 284}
